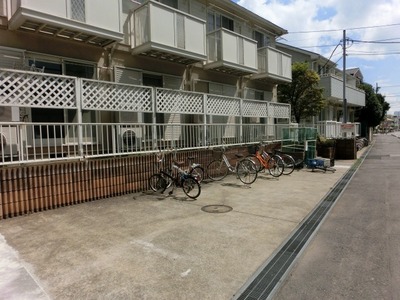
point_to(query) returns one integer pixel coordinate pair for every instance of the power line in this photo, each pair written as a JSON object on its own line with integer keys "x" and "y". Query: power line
{"x": 321, "y": 68}
{"x": 333, "y": 30}
{"x": 372, "y": 53}
{"x": 375, "y": 42}
{"x": 389, "y": 86}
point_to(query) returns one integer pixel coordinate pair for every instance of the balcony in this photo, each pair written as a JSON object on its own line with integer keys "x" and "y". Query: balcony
{"x": 333, "y": 90}
{"x": 166, "y": 33}
{"x": 273, "y": 65}
{"x": 89, "y": 23}
{"x": 231, "y": 53}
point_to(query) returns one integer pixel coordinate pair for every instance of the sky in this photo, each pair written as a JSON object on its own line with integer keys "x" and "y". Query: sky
{"x": 372, "y": 32}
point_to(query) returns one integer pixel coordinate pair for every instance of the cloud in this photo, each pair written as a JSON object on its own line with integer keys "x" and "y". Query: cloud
{"x": 373, "y": 45}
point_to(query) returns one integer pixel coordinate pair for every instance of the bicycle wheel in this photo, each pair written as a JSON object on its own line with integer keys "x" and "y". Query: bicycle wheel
{"x": 198, "y": 173}
{"x": 158, "y": 183}
{"x": 256, "y": 161}
{"x": 191, "y": 187}
{"x": 275, "y": 166}
{"x": 246, "y": 171}
{"x": 217, "y": 170}
{"x": 289, "y": 164}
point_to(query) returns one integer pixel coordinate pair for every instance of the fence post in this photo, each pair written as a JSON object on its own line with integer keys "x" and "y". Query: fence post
{"x": 241, "y": 120}
{"x": 154, "y": 125}
{"x": 205, "y": 133}
{"x": 78, "y": 97}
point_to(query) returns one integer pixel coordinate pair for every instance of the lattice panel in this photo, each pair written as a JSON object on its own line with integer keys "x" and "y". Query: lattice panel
{"x": 278, "y": 110}
{"x": 224, "y": 106}
{"x": 170, "y": 101}
{"x": 254, "y": 109}
{"x": 21, "y": 88}
{"x": 101, "y": 95}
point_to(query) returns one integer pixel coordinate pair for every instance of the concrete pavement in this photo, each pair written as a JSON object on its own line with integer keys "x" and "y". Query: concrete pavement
{"x": 152, "y": 246}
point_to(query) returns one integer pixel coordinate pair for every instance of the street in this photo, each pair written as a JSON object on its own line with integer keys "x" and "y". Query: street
{"x": 355, "y": 253}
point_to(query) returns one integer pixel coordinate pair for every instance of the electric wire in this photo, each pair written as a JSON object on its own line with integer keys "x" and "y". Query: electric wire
{"x": 354, "y": 28}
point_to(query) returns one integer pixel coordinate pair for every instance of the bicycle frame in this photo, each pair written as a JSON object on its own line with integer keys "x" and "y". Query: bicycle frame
{"x": 228, "y": 164}
{"x": 264, "y": 158}
{"x": 218, "y": 168}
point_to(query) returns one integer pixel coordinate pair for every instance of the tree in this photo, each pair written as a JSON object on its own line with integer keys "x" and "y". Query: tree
{"x": 303, "y": 93}
{"x": 385, "y": 105}
{"x": 375, "y": 109}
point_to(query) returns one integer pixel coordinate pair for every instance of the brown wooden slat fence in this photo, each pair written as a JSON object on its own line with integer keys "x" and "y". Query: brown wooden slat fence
{"x": 35, "y": 188}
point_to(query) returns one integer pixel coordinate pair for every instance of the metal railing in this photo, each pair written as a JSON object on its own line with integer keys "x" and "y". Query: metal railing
{"x": 333, "y": 129}
{"x": 38, "y": 142}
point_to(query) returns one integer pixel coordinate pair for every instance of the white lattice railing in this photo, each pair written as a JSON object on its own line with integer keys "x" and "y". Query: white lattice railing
{"x": 32, "y": 89}
{"x": 34, "y": 141}
{"x": 251, "y": 108}
{"x": 223, "y": 105}
{"x": 183, "y": 102}
{"x": 278, "y": 110}
{"x": 103, "y": 95}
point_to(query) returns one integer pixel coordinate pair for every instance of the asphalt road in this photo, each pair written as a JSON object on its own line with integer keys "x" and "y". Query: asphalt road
{"x": 355, "y": 253}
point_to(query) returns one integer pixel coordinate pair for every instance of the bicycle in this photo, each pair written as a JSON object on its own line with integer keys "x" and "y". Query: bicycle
{"x": 263, "y": 160}
{"x": 160, "y": 161}
{"x": 195, "y": 169}
{"x": 164, "y": 179}
{"x": 289, "y": 163}
{"x": 244, "y": 168}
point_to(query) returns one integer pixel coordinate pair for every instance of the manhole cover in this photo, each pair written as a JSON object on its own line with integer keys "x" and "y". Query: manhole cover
{"x": 218, "y": 209}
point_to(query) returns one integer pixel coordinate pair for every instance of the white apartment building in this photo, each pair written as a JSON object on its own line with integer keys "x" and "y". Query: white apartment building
{"x": 137, "y": 62}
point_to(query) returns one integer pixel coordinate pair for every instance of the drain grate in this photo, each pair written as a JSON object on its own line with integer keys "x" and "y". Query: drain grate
{"x": 216, "y": 208}
{"x": 262, "y": 285}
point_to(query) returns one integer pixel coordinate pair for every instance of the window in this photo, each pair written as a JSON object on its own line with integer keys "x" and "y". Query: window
{"x": 155, "y": 81}
{"x": 259, "y": 95}
{"x": 261, "y": 38}
{"x": 48, "y": 115}
{"x": 79, "y": 70}
{"x": 78, "y": 10}
{"x": 216, "y": 21}
{"x": 48, "y": 67}
{"x": 71, "y": 68}
{"x": 171, "y": 3}
{"x": 227, "y": 23}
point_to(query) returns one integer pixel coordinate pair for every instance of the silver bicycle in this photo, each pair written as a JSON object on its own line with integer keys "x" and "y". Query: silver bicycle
{"x": 244, "y": 168}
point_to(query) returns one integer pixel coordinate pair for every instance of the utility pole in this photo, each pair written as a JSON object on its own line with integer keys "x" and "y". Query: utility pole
{"x": 344, "y": 79}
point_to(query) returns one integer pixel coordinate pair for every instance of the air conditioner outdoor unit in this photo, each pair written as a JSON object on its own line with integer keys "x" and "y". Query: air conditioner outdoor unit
{"x": 131, "y": 138}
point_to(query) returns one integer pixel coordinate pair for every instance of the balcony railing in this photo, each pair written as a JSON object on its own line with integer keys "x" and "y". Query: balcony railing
{"x": 63, "y": 20}
{"x": 273, "y": 64}
{"x": 167, "y": 33}
{"x": 230, "y": 52}
{"x": 25, "y": 141}
{"x": 333, "y": 89}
